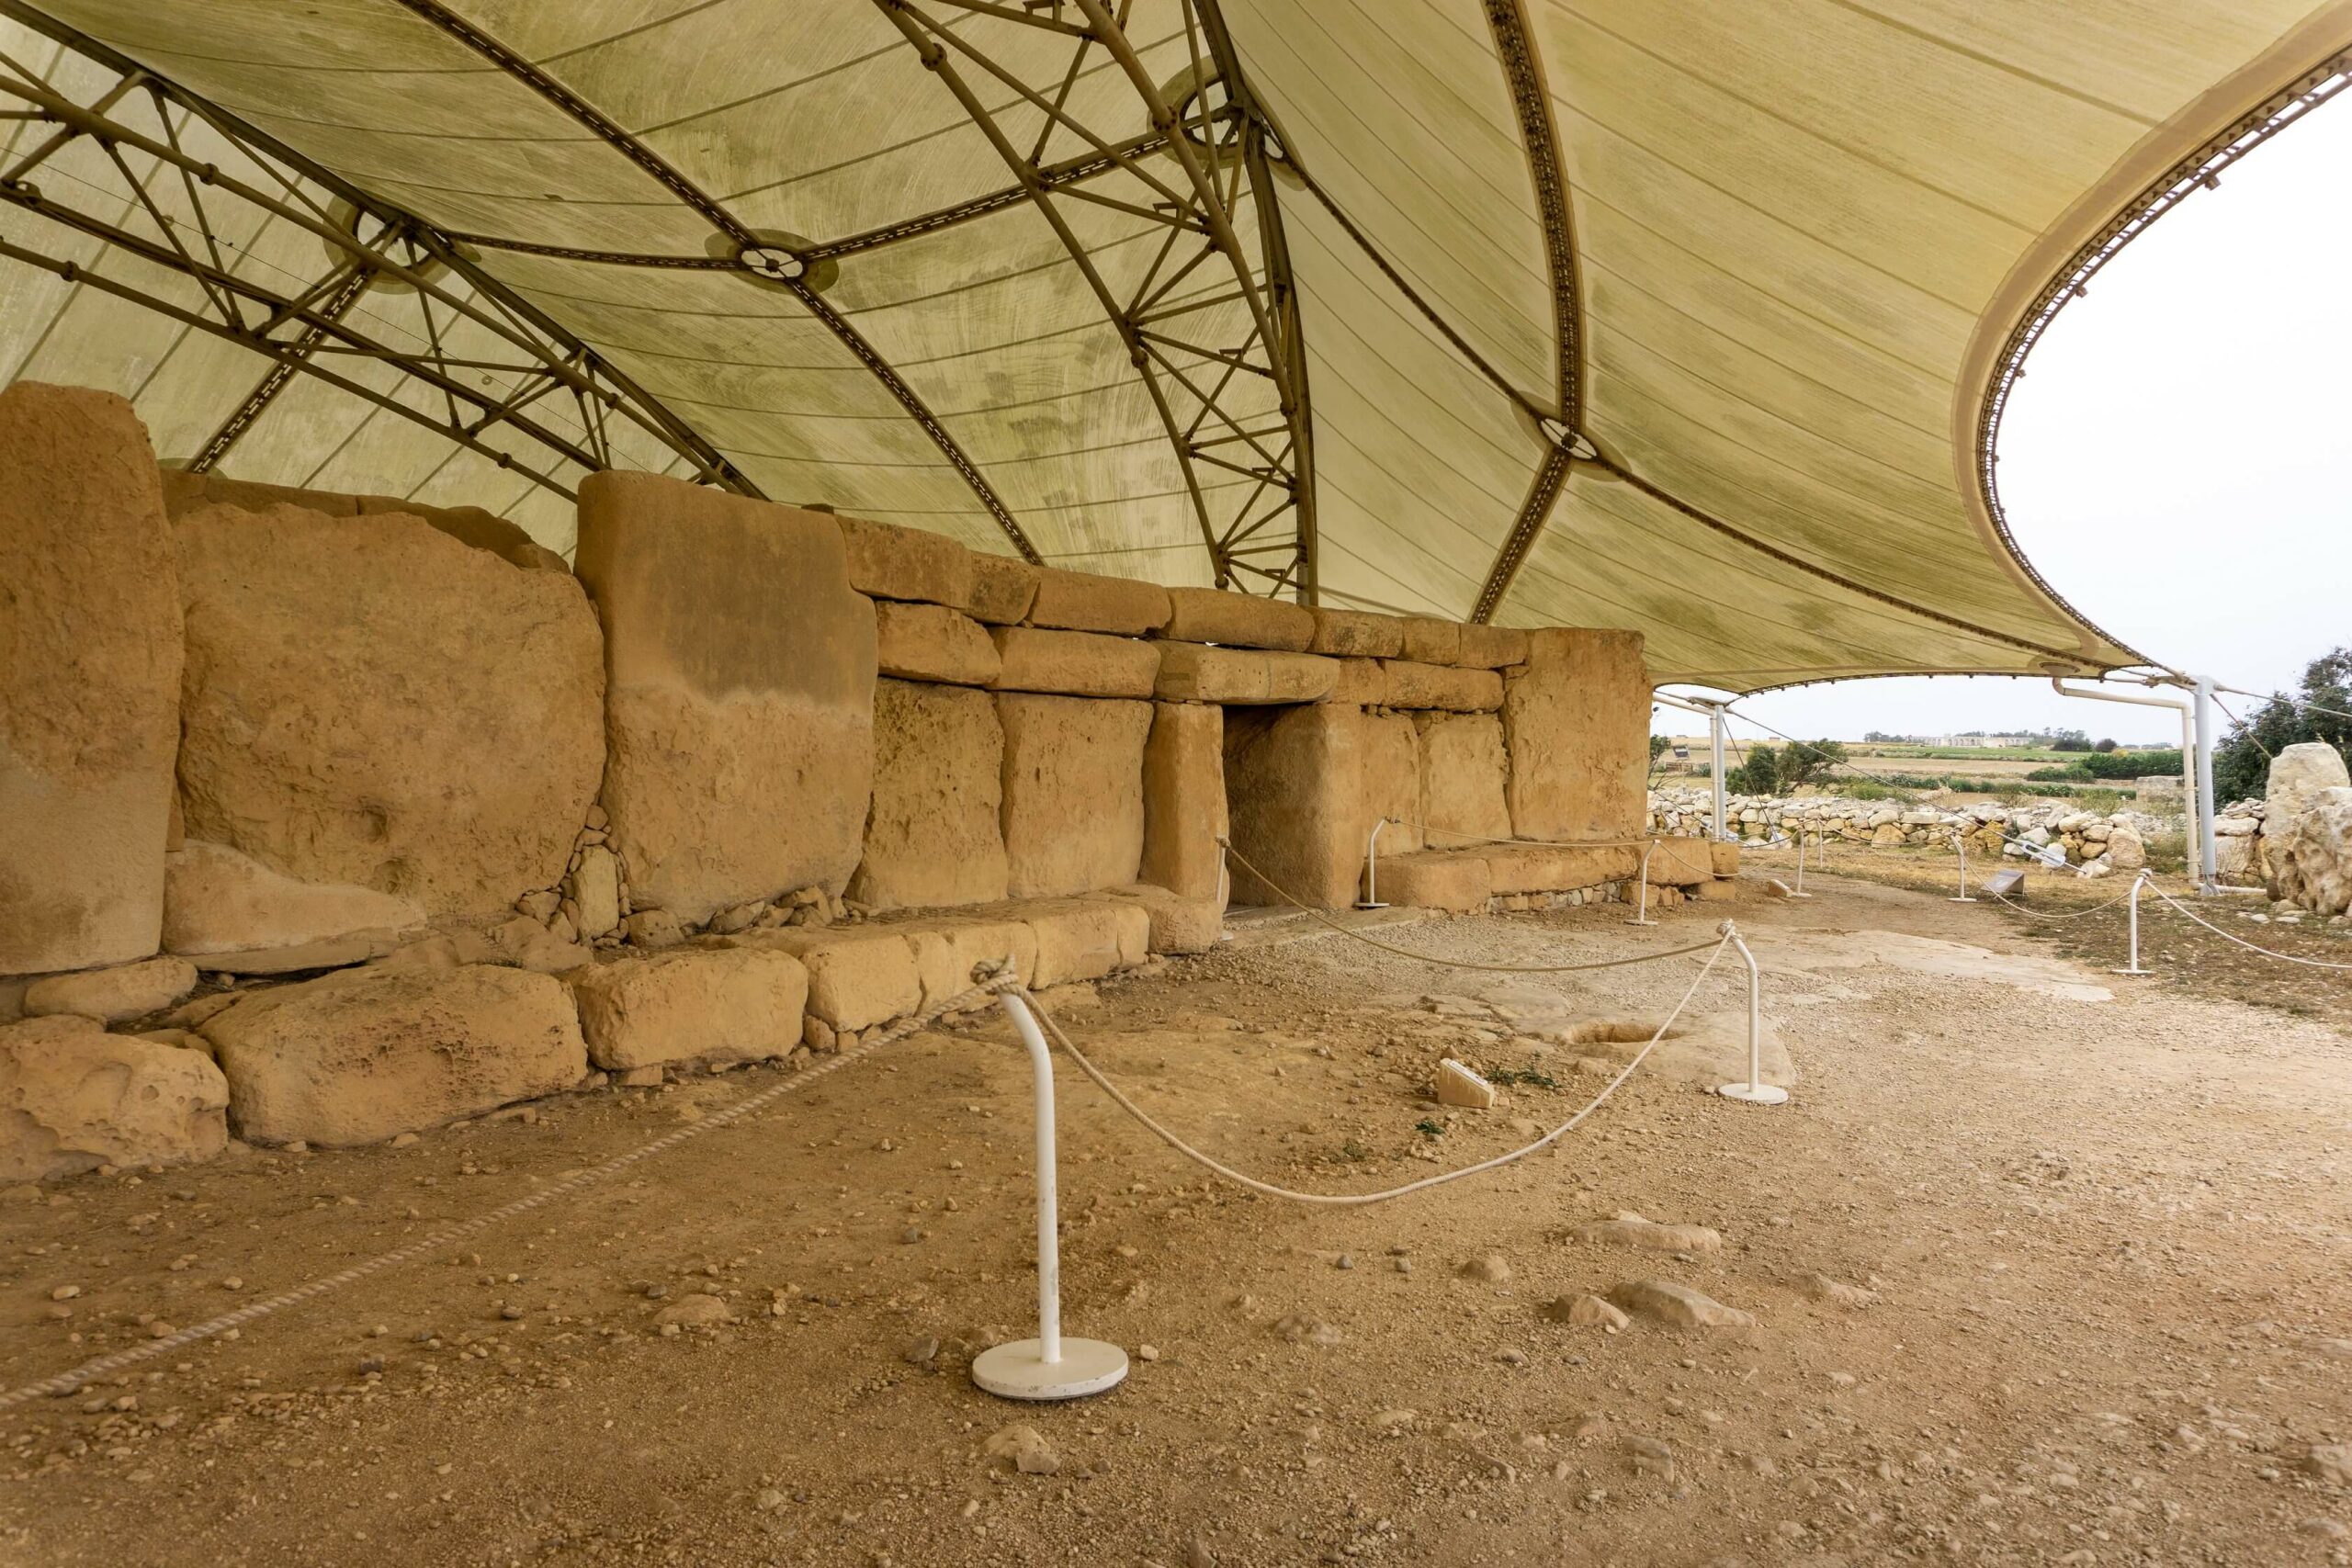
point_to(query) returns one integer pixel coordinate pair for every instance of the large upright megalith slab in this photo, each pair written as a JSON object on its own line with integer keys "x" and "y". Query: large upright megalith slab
{"x": 1575, "y": 723}
{"x": 1463, "y": 769}
{"x": 740, "y": 692}
{"x": 89, "y": 681}
{"x": 372, "y": 703}
{"x": 1073, "y": 792}
{"x": 1303, "y": 786}
{"x": 933, "y": 837}
{"x": 1184, "y": 800}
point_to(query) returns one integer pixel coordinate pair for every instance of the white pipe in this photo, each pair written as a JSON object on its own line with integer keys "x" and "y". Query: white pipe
{"x": 1371, "y": 899}
{"x": 2209, "y": 865}
{"x": 1755, "y": 1091}
{"x": 1715, "y": 769}
{"x": 1642, "y": 911}
{"x": 2197, "y": 814}
{"x": 1798, "y": 891}
{"x": 1960, "y": 842}
{"x": 2134, "y": 966}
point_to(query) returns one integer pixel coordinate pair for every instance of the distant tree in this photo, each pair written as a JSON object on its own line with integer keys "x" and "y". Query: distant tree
{"x": 2069, "y": 740}
{"x": 1808, "y": 761}
{"x": 2105, "y": 744}
{"x": 1657, "y": 744}
{"x": 2241, "y": 763}
{"x": 1880, "y": 736}
{"x": 1759, "y": 774}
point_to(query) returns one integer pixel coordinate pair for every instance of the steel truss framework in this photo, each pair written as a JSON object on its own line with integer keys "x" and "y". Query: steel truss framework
{"x": 1175, "y": 320}
{"x": 191, "y": 190}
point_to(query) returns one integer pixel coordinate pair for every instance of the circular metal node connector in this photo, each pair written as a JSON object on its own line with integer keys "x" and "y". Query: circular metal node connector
{"x": 769, "y": 261}
{"x": 1015, "y": 1371}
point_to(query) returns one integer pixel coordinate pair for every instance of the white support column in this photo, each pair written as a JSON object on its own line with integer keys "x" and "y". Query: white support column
{"x": 2209, "y": 865}
{"x": 1715, "y": 769}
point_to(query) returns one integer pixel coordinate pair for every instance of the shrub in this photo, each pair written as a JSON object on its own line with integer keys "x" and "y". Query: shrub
{"x": 2167, "y": 851}
{"x": 2242, "y": 763}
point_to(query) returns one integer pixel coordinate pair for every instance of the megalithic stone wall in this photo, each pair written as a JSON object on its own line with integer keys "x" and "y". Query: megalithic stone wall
{"x": 740, "y": 692}
{"x": 89, "y": 680}
{"x": 1575, "y": 723}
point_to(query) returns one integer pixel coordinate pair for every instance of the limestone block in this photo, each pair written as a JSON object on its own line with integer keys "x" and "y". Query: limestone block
{"x": 216, "y": 901}
{"x": 73, "y": 1097}
{"x": 360, "y": 1055}
{"x": 110, "y": 996}
{"x": 1077, "y": 664}
{"x": 1184, "y": 800}
{"x": 1073, "y": 792}
{"x": 934, "y": 836}
{"x": 89, "y": 680}
{"x": 888, "y": 562}
{"x": 370, "y": 702}
{"x": 1490, "y": 647}
{"x": 1178, "y": 924}
{"x": 1464, "y": 770}
{"x": 1191, "y": 673}
{"x": 858, "y": 975}
{"x": 1085, "y": 939}
{"x": 2309, "y": 851}
{"x": 1429, "y": 641}
{"x": 1722, "y": 890}
{"x": 595, "y": 889}
{"x": 1361, "y": 684}
{"x": 2306, "y": 766}
{"x": 1412, "y": 686}
{"x": 1682, "y": 862}
{"x": 691, "y": 1005}
{"x": 1575, "y": 723}
{"x": 1544, "y": 868}
{"x": 740, "y": 707}
{"x": 472, "y": 526}
{"x": 1082, "y": 601}
{"x": 1358, "y": 634}
{"x": 1237, "y": 620}
{"x": 2125, "y": 848}
{"x": 946, "y": 948}
{"x": 1002, "y": 590}
{"x": 932, "y": 642}
{"x": 1725, "y": 857}
{"x": 1437, "y": 879}
{"x": 1303, "y": 786}
{"x": 326, "y": 952}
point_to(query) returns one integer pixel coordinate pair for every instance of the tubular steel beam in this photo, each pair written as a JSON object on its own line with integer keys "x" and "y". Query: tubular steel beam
{"x": 1190, "y": 380}
{"x": 745, "y": 240}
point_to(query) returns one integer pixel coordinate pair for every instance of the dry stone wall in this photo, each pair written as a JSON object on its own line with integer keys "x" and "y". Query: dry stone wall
{"x": 343, "y": 816}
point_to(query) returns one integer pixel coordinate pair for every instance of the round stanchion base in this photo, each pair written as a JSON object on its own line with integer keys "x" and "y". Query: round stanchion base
{"x": 1012, "y": 1370}
{"x": 1794, "y": 895}
{"x": 1362, "y": 905}
{"x": 1962, "y": 898}
{"x": 1639, "y": 920}
{"x": 2130, "y": 971}
{"x": 1750, "y": 1093}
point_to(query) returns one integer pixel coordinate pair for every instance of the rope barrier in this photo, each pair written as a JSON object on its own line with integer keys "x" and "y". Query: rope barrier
{"x": 1360, "y": 1200}
{"x": 2226, "y": 936}
{"x": 1291, "y": 899}
{"x": 69, "y": 1382}
{"x": 2053, "y": 915}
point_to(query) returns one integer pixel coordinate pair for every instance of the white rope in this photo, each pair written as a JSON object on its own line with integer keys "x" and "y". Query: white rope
{"x": 69, "y": 1382}
{"x": 1291, "y": 899}
{"x": 2226, "y": 936}
{"x": 2053, "y": 915}
{"x": 1359, "y": 1200}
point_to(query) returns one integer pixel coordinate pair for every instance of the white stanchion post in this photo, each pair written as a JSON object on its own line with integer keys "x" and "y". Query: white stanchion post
{"x": 1049, "y": 1367}
{"x": 2134, "y": 968}
{"x": 1755, "y": 1091}
{"x": 1642, "y": 909}
{"x": 1798, "y": 891}
{"x": 1371, "y": 899}
{"x": 1960, "y": 842}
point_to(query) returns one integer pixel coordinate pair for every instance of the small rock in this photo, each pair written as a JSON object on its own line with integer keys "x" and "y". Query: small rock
{"x": 769, "y": 1500}
{"x": 1586, "y": 1311}
{"x": 1491, "y": 1268}
{"x": 695, "y": 1311}
{"x": 1651, "y": 1457}
{"x": 1026, "y": 1449}
{"x": 1294, "y": 1329}
{"x": 1822, "y": 1287}
{"x": 2331, "y": 1462}
{"x": 654, "y": 928}
{"x": 1679, "y": 1305}
{"x": 1630, "y": 1229}
{"x": 1148, "y": 1352}
{"x": 64, "y": 1293}
{"x": 920, "y": 1351}
{"x": 1393, "y": 1423}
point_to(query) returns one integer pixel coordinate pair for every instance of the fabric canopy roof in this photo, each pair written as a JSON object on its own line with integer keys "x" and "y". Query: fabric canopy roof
{"x": 1686, "y": 317}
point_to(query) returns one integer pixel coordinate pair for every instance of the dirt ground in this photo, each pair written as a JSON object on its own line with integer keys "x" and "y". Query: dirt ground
{"x": 2092, "y": 1259}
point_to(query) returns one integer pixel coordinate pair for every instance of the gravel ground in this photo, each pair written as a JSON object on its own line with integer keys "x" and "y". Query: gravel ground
{"x": 2036, "y": 1278}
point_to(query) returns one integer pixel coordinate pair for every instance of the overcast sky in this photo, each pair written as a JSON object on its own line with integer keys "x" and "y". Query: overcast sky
{"x": 2178, "y": 463}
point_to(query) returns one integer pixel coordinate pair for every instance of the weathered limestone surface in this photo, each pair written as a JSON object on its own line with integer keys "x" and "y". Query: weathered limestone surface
{"x": 1725, "y": 857}
{"x": 858, "y": 975}
{"x": 1543, "y": 868}
{"x": 184, "y": 493}
{"x": 1462, "y": 774}
{"x": 1414, "y": 685}
{"x": 1077, "y": 665}
{"x": 370, "y": 702}
{"x": 1303, "y": 786}
{"x": 1178, "y": 924}
{"x": 697, "y": 1004}
{"x": 1682, "y": 862}
{"x": 1237, "y": 620}
{"x": 73, "y": 1097}
{"x": 947, "y": 947}
{"x": 89, "y": 680}
{"x": 741, "y": 701}
{"x": 366, "y": 1054}
{"x": 1490, "y": 647}
{"x": 2309, "y": 851}
{"x": 1002, "y": 589}
{"x": 1429, "y": 641}
{"x": 2306, "y": 765}
{"x": 934, "y": 836}
{"x": 1360, "y": 683}
{"x": 1437, "y": 880}
{"x": 112, "y": 996}
{"x": 889, "y": 562}
{"x": 1073, "y": 792}
{"x": 1575, "y": 723}
{"x": 1358, "y": 634}
{"x": 1080, "y": 600}
{"x": 1183, "y": 799}
{"x": 216, "y": 901}
{"x": 1191, "y": 673}
{"x": 932, "y": 642}
{"x": 1085, "y": 939}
